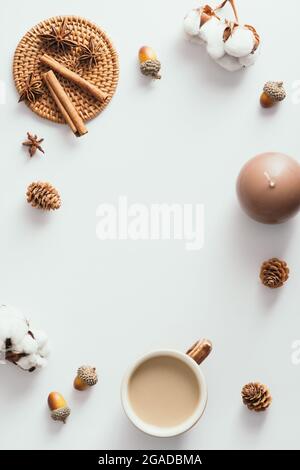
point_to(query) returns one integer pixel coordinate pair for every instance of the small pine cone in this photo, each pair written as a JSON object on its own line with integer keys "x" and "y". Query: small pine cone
{"x": 43, "y": 196}
{"x": 256, "y": 396}
{"x": 275, "y": 91}
{"x": 274, "y": 273}
{"x": 151, "y": 68}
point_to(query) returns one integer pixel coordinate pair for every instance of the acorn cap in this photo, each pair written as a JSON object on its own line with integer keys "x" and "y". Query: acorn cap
{"x": 88, "y": 375}
{"x": 61, "y": 414}
{"x": 151, "y": 68}
{"x": 275, "y": 91}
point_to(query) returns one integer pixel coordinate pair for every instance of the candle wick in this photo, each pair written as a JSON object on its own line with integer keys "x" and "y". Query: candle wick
{"x": 272, "y": 183}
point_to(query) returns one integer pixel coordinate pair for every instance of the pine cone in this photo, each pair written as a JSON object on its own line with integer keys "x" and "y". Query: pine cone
{"x": 275, "y": 91}
{"x": 43, "y": 196}
{"x": 256, "y": 396}
{"x": 274, "y": 273}
{"x": 151, "y": 68}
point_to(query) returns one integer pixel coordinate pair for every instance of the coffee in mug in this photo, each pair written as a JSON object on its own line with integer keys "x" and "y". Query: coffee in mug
{"x": 165, "y": 393}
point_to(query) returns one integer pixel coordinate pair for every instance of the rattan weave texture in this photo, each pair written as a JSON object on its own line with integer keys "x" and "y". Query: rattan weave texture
{"x": 104, "y": 74}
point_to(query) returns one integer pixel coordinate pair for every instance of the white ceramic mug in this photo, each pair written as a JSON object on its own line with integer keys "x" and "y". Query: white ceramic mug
{"x": 194, "y": 356}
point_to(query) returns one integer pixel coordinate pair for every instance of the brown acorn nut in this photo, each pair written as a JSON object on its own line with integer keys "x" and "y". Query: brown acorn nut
{"x": 58, "y": 406}
{"x": 149, "y": 64}
{"x": 86, "y": 377}
{"x": 273, "y": 93}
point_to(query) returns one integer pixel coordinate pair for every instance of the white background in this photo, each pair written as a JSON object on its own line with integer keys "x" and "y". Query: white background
{"x": 182, "y": 139}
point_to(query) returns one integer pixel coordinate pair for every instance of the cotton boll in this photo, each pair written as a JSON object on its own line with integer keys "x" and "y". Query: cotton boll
{"x": 209, "y": 29}
{"x": 18, "y": 331}
{"x": 229, "y": 63}
{"x": 215, "y": 51}
{"x": 26, "y": 363}
{"x": 28, "y": 345}
{"x": 215, "y": 43}
{"x": 40, "y": 337}
{"x": 38, "y": 361}
{"x": 250, "y": 59}
{"x": 33, "y": 360}
{"x": 42, "y": 342}
{"x": 44, "y": 351}
{"x": 41, "y": 361}
{"x": 191, "y": 23}
{"x": 15, "y": 327}
{"x": 229, "y": 44}
{"x": 240, "y": 43}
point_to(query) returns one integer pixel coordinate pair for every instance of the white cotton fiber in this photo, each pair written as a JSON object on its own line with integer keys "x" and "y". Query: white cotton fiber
{"x": 33, "y": 360}
{"x": 209, "y": 29}
{"x": 191, "y": 23}
{"x": 215, "y": 43}
{"x": 28, "y": 345}
{"x": 44, "y": 350}
{"x": 240, "y": 43}
{"x": 15, "y": 327}
{"x": 40, "y": 337}
{"x": 40, "y": 361}
{"x": 233, "y": 54}
{"x": 26, "y": 362}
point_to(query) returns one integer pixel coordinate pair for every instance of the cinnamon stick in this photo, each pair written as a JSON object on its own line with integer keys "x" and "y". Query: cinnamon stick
{"x": 73, "y": 77}
{"x": 64, "y": 104}
{"x": 200, "y": 350}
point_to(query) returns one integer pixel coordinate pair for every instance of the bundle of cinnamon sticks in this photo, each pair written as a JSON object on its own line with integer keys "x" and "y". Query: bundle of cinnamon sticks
{"x": 62, "y": 100}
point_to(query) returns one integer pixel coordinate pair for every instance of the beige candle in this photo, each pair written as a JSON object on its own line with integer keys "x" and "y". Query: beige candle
{"x": 268, "y": 188}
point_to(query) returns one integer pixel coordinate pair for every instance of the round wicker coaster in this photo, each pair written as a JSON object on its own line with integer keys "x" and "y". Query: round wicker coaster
{"x": 104, "y": 74}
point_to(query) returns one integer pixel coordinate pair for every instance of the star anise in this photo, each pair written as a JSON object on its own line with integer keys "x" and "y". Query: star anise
{"x": 58, "y": 37}
{"x": 32, "y": 89}
{"x": 33, "y": 143}
{"x": 90, "y": 54}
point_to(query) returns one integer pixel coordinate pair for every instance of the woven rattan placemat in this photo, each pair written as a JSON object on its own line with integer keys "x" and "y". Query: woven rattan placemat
{"x": 104, "y": 74}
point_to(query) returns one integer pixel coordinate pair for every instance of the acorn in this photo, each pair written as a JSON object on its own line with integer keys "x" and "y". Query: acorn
{"x": 149, "y": 64}
{"x": 58, "y": 406}
{"x": 273, "y": 93}
{"x": 86, "y": 377}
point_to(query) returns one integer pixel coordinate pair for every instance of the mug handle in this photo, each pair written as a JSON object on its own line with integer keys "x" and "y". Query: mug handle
{"x": 200, "y": 350}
